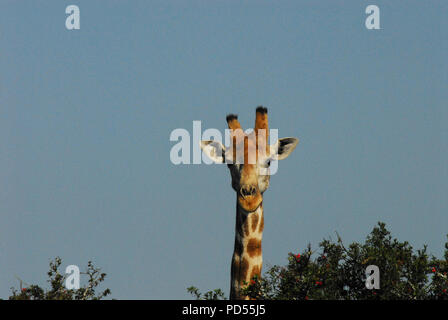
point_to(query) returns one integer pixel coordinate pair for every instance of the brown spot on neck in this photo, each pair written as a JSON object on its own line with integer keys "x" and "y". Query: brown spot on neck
{"x": 254, "y": 221}
{"x": 253, "y": 247}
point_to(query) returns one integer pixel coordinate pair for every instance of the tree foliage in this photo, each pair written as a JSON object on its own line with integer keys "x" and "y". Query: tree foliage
{"x": 58, "y": 291}
{"x": 337, "y": 272}
{"x": 216, "y": 294}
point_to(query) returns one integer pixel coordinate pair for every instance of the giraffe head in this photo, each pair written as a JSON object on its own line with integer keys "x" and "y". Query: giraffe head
{"x": 249, "y": 158}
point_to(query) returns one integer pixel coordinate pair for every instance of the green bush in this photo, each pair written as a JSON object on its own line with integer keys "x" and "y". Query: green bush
{"x": 58, "y": 291}
{"x": 336, "y": 272}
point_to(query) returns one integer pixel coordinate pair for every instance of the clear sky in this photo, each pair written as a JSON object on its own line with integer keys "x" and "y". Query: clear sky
{"x": 86, "y": 115}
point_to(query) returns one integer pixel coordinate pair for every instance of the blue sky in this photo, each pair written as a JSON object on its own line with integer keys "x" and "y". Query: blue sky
{"x": 86, "y": 115}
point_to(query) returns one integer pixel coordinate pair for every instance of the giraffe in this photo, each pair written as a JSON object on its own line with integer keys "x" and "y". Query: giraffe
{"x": 250, "y": 179}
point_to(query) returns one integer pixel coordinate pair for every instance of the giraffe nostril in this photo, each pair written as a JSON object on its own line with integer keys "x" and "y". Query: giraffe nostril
{"x": 248, "y": 190}
{"x": 253, "y": 190}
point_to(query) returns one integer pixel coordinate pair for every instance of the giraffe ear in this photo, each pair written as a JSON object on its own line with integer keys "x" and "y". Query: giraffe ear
{"x": 214, "y": 150}
{"x": 283, "y": 148}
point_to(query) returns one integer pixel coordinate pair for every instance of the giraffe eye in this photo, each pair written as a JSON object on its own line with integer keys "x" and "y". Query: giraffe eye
{"x": 268, "y": 163}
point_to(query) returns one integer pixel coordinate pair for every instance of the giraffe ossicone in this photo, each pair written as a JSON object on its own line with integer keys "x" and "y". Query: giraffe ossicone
{"x": 248, "y": 159}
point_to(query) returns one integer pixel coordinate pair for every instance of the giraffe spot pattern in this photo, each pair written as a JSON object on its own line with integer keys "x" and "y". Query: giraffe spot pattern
{"x": 253, "y": 247}
{"x": 243, "y": 268}
{"x": 261, "y": 226}
{"x": 254, "y": 221}
{"x": 256, "y": 271}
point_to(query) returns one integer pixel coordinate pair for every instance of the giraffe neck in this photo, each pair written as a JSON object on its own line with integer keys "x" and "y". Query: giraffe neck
{"x": 247, "y": 255}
